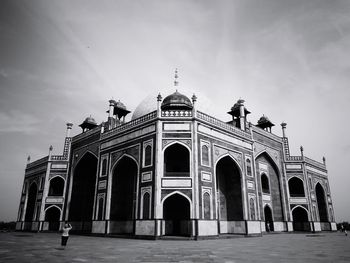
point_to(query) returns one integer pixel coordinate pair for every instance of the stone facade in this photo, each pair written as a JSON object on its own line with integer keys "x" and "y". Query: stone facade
{"x": 176, "y": 170}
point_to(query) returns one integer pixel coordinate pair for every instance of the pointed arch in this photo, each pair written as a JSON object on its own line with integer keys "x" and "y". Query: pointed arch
{"x": 266, "y": 164}
{"x": 321, "y": 202}
{"x": 269, "y": 218}
{"x": 228, "y": 177}
{"x": 121, "y": 157}
{"x": 296, "y": 187}
{"x": 56, "y": 186}
{"x": 31, "y": 201}
{"x": 233, "y": 159}
{"x": 300, "y": 217}
{"x": 177, "y": 214}
{"x": 83, "y": 155}
{"x": 176, "y": 158}
{"x": 264, "y": 152}
{"x": 124, "y": 192}
{"x": 83, "y": 188}
{"x": 176, "y": 192}
{"x": 52, "y": 216}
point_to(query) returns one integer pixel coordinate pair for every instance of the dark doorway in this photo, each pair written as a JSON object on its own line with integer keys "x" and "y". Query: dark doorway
{"x": 300, "y": 219}
{"x": 33, "y": 189}
{"x": 124, "y": 190}
{"x": 321, "y": 203}
{"x": 265, "y": 184}
{"x": 176, "y": 161}
{"x": 296, "y": 187}
{"x": 229, "y": 190}
{"x": 268, "y": 219}
{"x": 83, "y": 191}
{"x": 146, "y": 203}
{"x": 56, "y": 186}
{"x": 52, "y": 215}
{"x": 176, "y": 213}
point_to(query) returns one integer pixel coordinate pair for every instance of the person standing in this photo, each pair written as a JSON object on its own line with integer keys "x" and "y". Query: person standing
{"x": 65, "y": 234}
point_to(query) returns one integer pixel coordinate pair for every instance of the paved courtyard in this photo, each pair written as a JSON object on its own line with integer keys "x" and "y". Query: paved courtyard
{"x": 45, "y": 247}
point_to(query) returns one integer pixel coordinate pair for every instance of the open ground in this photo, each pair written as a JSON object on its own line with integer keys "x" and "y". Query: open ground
{"x": 302, "y": 247}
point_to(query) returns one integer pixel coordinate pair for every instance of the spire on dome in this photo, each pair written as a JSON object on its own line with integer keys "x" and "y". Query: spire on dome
{"x": 176, "y": 82}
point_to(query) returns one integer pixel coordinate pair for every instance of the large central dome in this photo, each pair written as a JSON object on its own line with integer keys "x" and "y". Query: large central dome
{"x": 149, "y": 104}
{"x": 176, "y": 101}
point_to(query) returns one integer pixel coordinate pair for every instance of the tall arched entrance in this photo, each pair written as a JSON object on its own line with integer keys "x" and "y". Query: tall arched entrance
{"x": 228, "y": 181}
{"x": 176, "y": 213}
{"x": 268, "y": 219}
{"x": 83, "y": 191}
{"x": 123, "y": 199}
{"x": 52, "y": 215}
{"x": 33, "y": 189}
{"x": 321, "y": 203}
{"x": 300, "y": 219}
{"x": 269, "y": 185}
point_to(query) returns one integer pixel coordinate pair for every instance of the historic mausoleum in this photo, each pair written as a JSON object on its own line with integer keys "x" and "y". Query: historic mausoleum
{"x": 175, "y": 170}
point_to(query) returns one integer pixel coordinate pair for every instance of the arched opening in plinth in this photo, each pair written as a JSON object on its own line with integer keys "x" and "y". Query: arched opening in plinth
{"x": 83, "y": 192}
{"x": 321, "y": 203}
{"x": 52, "y": 215}
{"x": 123, "y": 198}
{"x": 300, "y": 219}
{"x": 229, "y": 188}
{"x": 33, "y": 189}
{"x": 268, "y": 219}
{"x": 176, "y": 213}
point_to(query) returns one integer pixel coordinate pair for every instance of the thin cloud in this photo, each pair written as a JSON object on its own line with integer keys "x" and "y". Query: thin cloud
{"x": 17, "y": 121}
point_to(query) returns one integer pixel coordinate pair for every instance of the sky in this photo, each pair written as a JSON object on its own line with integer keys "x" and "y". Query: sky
{"x": 63, "y": 60}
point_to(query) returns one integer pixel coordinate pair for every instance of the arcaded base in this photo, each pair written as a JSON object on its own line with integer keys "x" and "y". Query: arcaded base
{"x": 207, "y": 228}
{"x": 98, "y": 227}
{"x": 145, "y": 228}
{"x": 232, "y": 227}
{"x": 121, "y": 227}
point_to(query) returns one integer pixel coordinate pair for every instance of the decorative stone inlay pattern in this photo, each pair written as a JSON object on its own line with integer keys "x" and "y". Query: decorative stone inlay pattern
{"x": 132, "y": 151}
{"x": 274, "y": 154}
{"x": 167, "y": 141}
{"x": 219, "y": 152}
{"x": 102, "y": 184}
{"x": 177, "y": 113}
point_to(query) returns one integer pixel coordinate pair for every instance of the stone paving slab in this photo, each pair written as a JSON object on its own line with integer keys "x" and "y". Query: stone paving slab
{"x": 301, "y": 247}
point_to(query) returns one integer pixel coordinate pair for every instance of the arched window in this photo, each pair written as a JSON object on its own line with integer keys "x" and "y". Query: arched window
{"x": 148, "y": 155}
{"x": 205, "y": 155}
{"x": 265, "y": 184}
{"x": 296, "y": 187}
{"x": 146, "y": 204}
{"x": 56, "y": 186}
{"x": 252, "y": 209}
{"x": 176, "y": 161}
{"x": 321, "y": 203}
{"x": 104, "y": 167}
{"x": 206, "y": 205}
{"x": 249, "y": 167}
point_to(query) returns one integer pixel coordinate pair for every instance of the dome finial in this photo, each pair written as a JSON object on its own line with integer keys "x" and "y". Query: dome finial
{"x": 176, "y": 83}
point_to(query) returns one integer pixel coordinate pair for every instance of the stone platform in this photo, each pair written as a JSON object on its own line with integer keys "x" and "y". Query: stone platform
{"x": 296, "y": 247}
